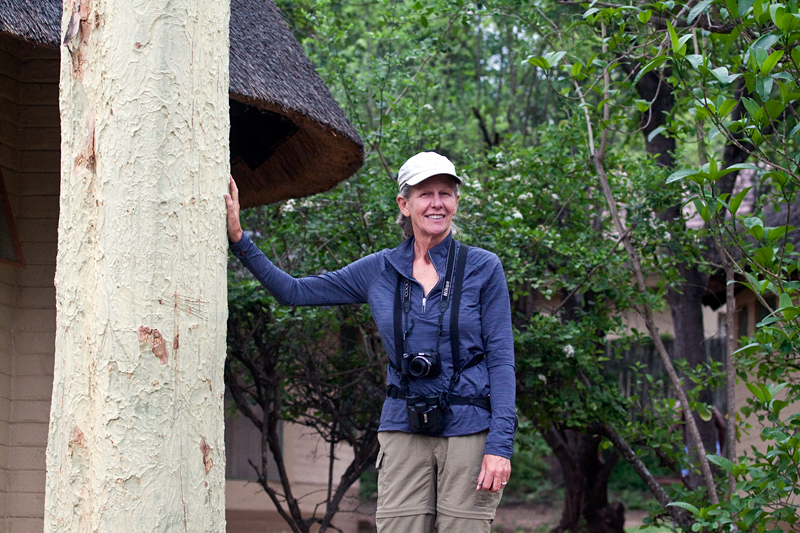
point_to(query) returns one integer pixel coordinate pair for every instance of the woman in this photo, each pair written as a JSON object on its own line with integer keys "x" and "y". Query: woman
{"x": 448, "y": 423}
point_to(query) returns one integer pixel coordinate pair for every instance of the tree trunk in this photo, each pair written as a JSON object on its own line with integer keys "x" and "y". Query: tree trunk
{"x": 685, "y": 300}
{"x": 686, "y": 304}
{"x": 586, "y": 476}
{"x": 136, "y": 423}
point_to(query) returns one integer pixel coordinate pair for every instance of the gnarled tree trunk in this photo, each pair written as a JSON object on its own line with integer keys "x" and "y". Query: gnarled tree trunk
{"x": 586, "y": 474}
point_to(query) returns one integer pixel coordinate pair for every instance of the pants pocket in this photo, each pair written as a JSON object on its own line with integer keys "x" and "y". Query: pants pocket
{"x": 381, "y": 477}
{"x": 488, "y": 500}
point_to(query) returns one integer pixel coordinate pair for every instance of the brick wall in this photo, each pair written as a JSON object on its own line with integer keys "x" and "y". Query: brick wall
{"x": 29, "y": 158}
{"x": 7, "y": 278}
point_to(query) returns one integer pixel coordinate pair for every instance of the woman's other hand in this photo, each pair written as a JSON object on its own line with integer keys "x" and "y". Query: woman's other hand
{"x": 232, "y": 203}
{"x": 495, "y": 471}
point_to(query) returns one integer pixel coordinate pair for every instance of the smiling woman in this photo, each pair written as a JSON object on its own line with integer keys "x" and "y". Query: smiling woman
{"x": 443, "y": 313}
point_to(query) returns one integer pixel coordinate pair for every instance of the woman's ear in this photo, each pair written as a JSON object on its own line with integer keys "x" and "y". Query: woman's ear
{"x": 402, "y": 203}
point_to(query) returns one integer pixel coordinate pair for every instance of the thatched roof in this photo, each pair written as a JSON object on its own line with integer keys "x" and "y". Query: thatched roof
{"x": 289, "y": 137}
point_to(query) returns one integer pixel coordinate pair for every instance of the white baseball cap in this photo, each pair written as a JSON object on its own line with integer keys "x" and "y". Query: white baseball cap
{"x": 422, "y": 166}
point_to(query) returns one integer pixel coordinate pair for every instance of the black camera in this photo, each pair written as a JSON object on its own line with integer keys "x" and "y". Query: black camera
{"x": 425, "y": 414}
{"x": 421, "y": 364}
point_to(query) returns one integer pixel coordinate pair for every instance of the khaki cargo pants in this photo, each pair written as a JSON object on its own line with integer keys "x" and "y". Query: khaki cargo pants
{"x": 427, "y": 484}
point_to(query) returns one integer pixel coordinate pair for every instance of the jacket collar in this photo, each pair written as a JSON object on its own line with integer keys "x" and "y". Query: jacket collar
{"x": 402, "y": 257}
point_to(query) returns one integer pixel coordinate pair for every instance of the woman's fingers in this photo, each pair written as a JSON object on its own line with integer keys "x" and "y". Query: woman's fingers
{"x": 232, "y": 205}
{"x": 495, "y": 473}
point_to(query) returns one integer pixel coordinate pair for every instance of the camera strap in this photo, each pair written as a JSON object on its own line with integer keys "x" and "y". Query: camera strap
{"x": 403, "y": 306}
{"x": 453, "y": 280}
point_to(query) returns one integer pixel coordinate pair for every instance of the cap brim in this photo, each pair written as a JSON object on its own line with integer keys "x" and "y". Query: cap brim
{"x": 422, "y": 176}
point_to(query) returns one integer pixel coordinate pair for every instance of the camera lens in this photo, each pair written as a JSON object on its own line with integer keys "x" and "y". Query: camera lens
{"x": 419, "y": 367}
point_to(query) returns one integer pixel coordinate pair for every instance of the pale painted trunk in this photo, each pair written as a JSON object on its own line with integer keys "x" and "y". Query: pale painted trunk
{"x": 136, "y": 423}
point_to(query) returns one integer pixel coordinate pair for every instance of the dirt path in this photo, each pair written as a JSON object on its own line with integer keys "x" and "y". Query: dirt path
{"x": 541, "y": 518}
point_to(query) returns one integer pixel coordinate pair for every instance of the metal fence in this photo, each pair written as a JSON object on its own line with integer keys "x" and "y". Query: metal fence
{"x": 623, "y": 359}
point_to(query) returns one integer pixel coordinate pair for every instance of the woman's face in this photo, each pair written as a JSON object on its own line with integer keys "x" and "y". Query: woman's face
{"x": 431, "y": 206}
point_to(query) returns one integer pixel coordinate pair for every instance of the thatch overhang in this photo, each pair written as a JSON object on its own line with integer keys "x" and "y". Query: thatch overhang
{"x": 289, "y": 137}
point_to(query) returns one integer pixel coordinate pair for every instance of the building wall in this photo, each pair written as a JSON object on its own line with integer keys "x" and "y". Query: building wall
{"x": 29, "y": 160}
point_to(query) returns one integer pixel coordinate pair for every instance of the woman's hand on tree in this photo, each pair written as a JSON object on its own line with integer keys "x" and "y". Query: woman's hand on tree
{"x": 232, "y": 203}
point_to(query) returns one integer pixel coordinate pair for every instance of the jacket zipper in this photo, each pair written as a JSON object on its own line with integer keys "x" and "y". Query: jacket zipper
{"x": 424, "y": 299}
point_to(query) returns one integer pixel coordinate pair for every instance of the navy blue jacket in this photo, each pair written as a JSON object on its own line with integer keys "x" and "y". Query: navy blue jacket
{"x": 484, "y": 327}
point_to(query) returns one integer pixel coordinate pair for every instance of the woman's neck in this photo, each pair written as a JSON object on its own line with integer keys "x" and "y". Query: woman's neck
{"x": 425, "y": 245}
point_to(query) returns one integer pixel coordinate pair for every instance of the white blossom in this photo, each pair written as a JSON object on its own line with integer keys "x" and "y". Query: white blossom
{"x": 288, "y": 207}
{"x": 569, "y": 351}
{"x": 516, "y": 214}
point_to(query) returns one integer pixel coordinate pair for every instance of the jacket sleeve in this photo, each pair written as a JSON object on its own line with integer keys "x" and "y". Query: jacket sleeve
{"x": 349, "y": 285}
{"x": 498, "y": 341}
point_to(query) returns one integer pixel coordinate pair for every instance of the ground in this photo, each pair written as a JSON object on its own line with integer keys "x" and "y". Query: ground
{"x": 525, "y": 518}
{"x": 516, "y": 518}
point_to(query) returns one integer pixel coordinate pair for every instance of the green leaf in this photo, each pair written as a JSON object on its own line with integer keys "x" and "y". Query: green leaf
{"x": 794, "y": 131}
{"x": 688, "y": 506}
{"x": 757, "y": 392}
{"x": 652, "y": 64}
{"x": 774, "y": 108}
{"x": 771, "y": 61}
{"x": 695, "y": 59}
{"x": 755, "y": 226}
{"x": 785, "y": 301}
{"x": 776, "y": 233}
{"x": 747, "y": 350}
{"x": 680, "y": 174}
{"x": 673, "y": 38}
{"x": 775, "y": 389}
{"x": 682, "y": 43}
{"x": 726, "y": 107}
{"x": 765, "y": 42}
{"x": 737, "y": 167}
{"x": 538, "y": 61}
{"x": 737, "y": 200}
{"x": 721, "y": 462}
{"x": 776, "y": 13}
{"x": 553, "y": 58}
{"x": 696, "y": 10}
{"x": 644, "y": 16}
{"x": 764, "y": 256}
{"x": 778, "y": 406}
{"x": 751, "y": 106}
{"x": 722, "y": 75}
{"x": 744, "y": 6}
{"x": 764, "y": 87}
{"x": 704, "y": 412}
{"x": 652, "y": 134}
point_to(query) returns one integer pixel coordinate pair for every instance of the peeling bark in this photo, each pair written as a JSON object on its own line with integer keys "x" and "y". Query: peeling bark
{"x": 144, "y": 132}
